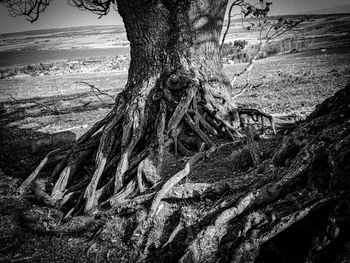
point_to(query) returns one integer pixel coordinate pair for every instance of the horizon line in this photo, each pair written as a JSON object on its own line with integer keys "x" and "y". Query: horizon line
{"x": 122, "y": 24}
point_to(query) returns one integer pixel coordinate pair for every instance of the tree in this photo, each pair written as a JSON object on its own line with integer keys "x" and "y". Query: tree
{"x": 177, "y": 99}
{"x": 175, "y": 77}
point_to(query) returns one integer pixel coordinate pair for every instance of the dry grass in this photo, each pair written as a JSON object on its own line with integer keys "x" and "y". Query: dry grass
{"x": 295, "y": 83}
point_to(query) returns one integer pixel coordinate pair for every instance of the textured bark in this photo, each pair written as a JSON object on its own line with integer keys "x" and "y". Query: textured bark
{"x": 168, "y": 36}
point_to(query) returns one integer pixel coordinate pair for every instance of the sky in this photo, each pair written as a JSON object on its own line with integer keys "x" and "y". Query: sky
{"x": 59, "y": 15}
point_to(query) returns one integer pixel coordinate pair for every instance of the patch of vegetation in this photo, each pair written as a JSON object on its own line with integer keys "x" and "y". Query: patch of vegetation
{"x": 240, "y": 52}
{"x": 82, "y": 65}
{"x": 31, "y": 70}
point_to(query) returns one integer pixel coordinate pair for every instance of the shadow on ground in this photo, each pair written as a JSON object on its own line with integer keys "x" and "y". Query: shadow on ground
{"x": 22, "y": 149}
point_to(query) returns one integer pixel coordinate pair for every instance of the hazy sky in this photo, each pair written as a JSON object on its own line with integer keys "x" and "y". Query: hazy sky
{"x": 59, "y": 14}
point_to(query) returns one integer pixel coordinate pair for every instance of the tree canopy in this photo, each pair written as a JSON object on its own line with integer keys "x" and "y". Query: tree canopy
{"x": 32, "y": 9}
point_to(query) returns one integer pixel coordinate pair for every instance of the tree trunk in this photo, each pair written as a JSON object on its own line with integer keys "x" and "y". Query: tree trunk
{"x": 171, "y": 36}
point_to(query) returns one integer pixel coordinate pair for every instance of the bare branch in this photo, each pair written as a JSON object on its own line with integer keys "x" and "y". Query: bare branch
{"x": 276, "y": 30}
{"x": 54, "y": 109}
{"x": 99, "y": 7}
{"x": 246, "y": 87}
{"x": 32, "y": 9}
{"x": 97, "y": 92}
{"x": 250, "y": 65}
{"x": 235, "y": 3}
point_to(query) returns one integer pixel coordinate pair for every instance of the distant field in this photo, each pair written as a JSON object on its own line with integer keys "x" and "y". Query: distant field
{"x": 26, "y": 57}
{"x": 294, "y": 83}
{"x": 313, "y": 27}
{"x": 43, "y": 46}
{"x": 65, "y": 38}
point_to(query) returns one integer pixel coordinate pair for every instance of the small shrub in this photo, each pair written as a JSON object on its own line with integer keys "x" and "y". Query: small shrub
{"x": 271, "y": 50}
{"x": 229, "y": 49}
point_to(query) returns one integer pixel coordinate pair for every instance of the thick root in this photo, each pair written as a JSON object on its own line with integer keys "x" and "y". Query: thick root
{"x": 130, "y": 130}
{"x": 230, "y": 220}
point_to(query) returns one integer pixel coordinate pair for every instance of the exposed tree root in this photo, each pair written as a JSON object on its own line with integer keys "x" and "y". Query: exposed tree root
{"x": 256, "y": 116}
{"x": 176, "y": 179}
{"x": 115, "y": 169}
{"x": 24, "y": 186}
{"x": 121, "y": 135}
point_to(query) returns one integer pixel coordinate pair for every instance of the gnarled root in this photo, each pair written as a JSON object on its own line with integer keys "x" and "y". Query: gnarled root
{"x": 129, "y": 144}
{"x": 232, "y": 220}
